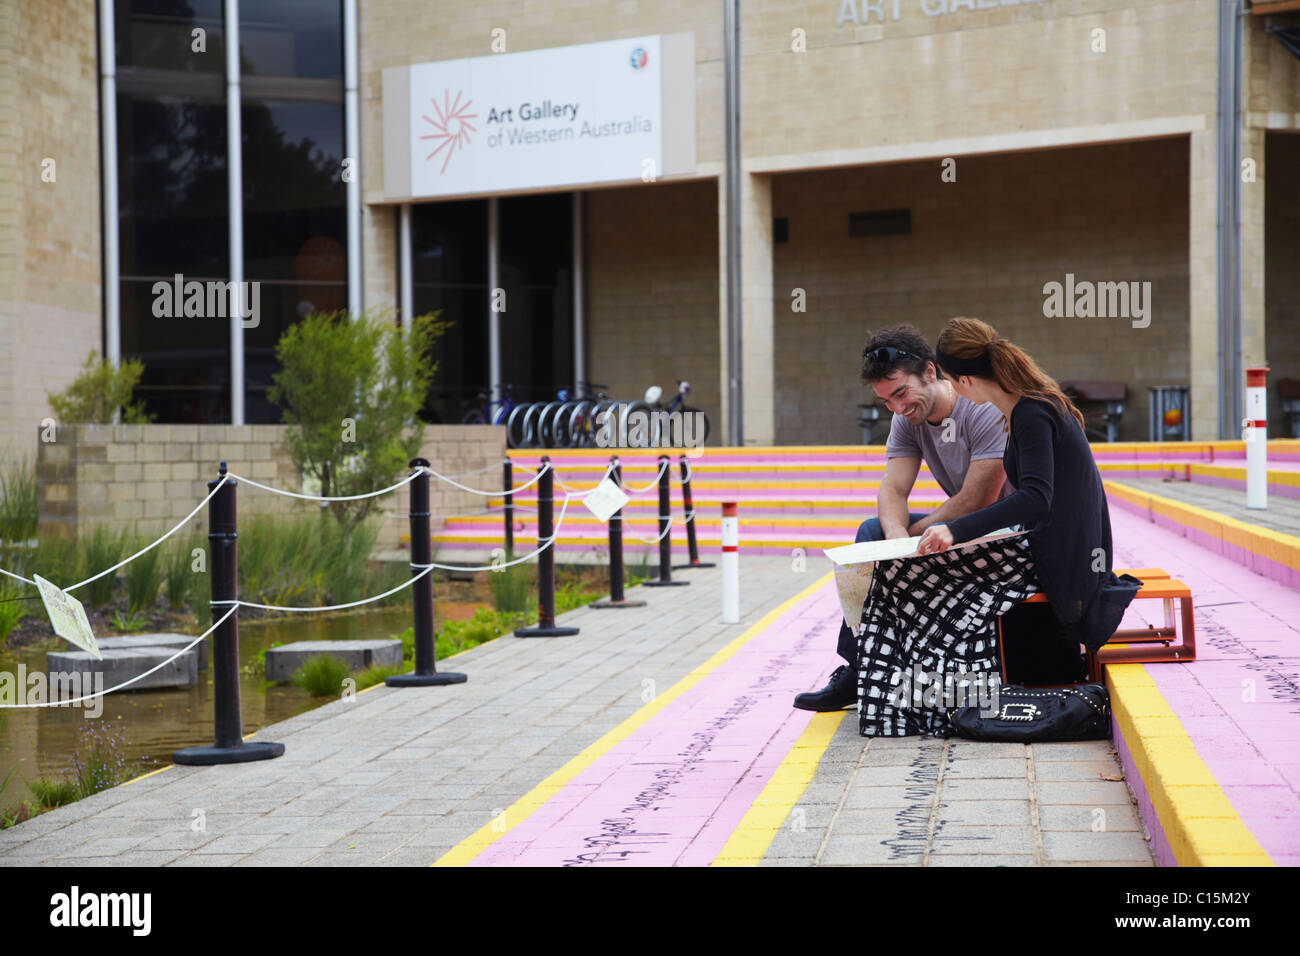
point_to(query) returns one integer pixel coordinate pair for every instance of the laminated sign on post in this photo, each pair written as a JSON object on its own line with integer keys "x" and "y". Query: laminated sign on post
{"x": 67, "y": 616}
{"x": 605, "y": 500}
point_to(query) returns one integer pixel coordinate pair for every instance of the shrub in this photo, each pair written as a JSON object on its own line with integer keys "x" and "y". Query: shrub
{"x": 510, "y": 587}
{"x": 321, "y": 676}
{"x": 95, "y": 396}
{"x": 303, "y": 560}
{"x": 143, "y": 577}
{"x": 179, "y": 573}
{"x": 19, "y": 501}
{"x": 55, "y": 792}
{"x": 375, "y": 675}
{"x": 102, "y": 549}
{"x": 98, "y": 759}
{"x": 13, "y": 606}
{"x": 363, "y": 371}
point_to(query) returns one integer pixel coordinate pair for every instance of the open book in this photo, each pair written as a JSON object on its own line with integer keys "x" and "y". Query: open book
{"x": 854, "y": 564}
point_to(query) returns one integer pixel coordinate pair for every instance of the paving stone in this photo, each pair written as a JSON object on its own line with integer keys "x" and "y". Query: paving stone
{"x": 882, "y": 821}
{"x": 999, "y": 859}
{"x": 1091, "y": 794}
{"x": 1007, "y": 813}
{"x": 966, "y": 789}
{"x": 1085, "y": 819}
{"x": 208, "y": 859}
{"x": 981, "y": 768}
{"x": 964, "y": 839}
{"x": 865, "y": 850}
{"x": 1063, "y": 847}
{"x": 1083, "y": 771}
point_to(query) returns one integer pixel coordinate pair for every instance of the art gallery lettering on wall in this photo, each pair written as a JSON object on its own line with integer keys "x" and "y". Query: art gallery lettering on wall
{"x": 591, "y": 113}
{"x": 861, "y": 12}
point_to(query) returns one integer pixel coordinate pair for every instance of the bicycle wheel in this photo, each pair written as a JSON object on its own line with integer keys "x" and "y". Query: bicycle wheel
{"x": 578, "y": 424}
{"x": 472, "y": 417}
{"x": 701, "y": 435}
{"x": 642, "y": 425}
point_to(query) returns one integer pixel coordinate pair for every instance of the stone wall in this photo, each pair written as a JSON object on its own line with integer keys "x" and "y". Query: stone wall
{"x": 151, "y": 476}
{"x": 50, "y": 313}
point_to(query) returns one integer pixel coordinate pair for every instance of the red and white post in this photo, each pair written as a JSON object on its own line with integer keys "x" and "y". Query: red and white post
{"x": 730, "y": 564}
{"x": 1255, "y": 432}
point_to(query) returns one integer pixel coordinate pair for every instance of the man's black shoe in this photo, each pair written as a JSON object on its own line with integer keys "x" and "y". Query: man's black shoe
{"x": 840, "y": 693}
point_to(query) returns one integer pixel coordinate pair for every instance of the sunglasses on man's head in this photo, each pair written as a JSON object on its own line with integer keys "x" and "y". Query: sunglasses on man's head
{"x": 890, "y": 354}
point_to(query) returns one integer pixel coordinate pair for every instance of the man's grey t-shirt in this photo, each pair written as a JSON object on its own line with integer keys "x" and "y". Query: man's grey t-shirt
{"x": 976, "y": 433}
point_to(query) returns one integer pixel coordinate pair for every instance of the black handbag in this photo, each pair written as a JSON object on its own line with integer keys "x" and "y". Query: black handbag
{"x": 1037, "y": 715}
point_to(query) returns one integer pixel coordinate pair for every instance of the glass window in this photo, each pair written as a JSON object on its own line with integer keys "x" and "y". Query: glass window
{"x": 298, "y": 38}
{"x": 449, "y": 274}
{"x": 161, "y": 35}
{"x": 173, "y": 219}
{"x": 295, "y": 227}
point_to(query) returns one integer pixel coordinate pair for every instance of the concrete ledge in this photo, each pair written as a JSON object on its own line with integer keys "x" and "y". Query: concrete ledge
{"x": 1190, "y": 819}
{"x": 281, "y": 662}
{"x": 121, "y": 665}
{"x": 1270, "y": 553}
{"x": 172, "y": 642}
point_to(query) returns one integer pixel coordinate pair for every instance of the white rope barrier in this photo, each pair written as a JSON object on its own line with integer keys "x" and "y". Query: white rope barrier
{"x": 293, "y": 494}
{"x": 100, "y": 693}
{"x": 499, "y": 491}
{"x": 328, "y": 607}
{"x": 148, "y": 547}
{"x": 18, "y": 577}
{"x": 636, "y": 491}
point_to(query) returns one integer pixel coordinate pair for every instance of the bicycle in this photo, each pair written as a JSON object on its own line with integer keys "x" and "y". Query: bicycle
{"x": 484, "y": 414}
{"x": 584, "y": 417}
{"x": 658, "y": 416}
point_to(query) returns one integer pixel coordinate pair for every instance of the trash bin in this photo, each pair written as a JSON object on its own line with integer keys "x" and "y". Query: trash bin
{"x": 868, "y": 418}
{"x": 1171, "y": 413}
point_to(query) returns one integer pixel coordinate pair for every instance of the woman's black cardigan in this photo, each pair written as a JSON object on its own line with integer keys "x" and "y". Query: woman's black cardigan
{"x": 1060, "y": 500}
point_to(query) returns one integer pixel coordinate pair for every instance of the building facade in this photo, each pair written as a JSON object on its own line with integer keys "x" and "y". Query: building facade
{"x": 1064, "y": 169}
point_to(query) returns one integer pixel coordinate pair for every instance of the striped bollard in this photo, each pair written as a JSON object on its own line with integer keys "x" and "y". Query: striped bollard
{"x": 1256, "y": 436}
{"x": 730, "y": 564}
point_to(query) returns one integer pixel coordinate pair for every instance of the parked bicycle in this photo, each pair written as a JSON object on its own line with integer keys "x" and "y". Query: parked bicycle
{"x": 693, "y": 432}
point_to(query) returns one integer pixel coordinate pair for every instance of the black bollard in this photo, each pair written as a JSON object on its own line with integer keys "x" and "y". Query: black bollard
{"x": 616, "y": 598}
{"x": 229, "y": 745}
{"x": 665, "y": 536}
{"x": 426, "y": 668}
{"x": 545, "y": 561}
{"x": 508, "y": 485}
{"x": 689, "y": 504}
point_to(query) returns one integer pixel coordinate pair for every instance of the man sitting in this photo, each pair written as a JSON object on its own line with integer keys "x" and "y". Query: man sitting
{"x": 961, "y": 443}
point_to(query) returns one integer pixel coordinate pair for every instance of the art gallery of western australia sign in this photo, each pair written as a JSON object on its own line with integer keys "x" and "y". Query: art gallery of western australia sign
{"x": 615, "y": 111}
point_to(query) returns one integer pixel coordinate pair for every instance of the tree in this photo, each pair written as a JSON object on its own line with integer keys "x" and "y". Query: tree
{"x": 350, "y": 391}
{"x": 98, "y": 392}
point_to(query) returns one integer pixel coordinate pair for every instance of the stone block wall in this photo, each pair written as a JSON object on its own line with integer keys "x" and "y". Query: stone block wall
{"x": 150, "y": 477}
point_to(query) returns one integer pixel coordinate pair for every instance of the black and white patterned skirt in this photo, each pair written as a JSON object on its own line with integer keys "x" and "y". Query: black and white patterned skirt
{"x": 929, "y": 638}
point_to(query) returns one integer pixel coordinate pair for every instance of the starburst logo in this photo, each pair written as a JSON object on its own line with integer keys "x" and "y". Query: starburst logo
{"x": 451, "y": 128}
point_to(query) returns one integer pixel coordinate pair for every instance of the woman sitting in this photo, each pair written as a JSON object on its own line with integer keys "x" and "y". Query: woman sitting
{"x": 936, "y": 614}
